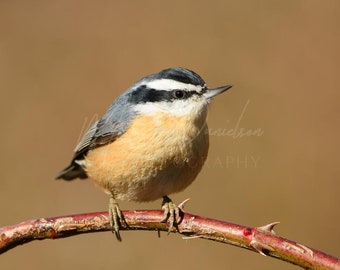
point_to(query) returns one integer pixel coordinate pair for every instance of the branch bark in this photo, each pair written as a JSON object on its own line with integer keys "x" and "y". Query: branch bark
{"x": 260, "y": 239}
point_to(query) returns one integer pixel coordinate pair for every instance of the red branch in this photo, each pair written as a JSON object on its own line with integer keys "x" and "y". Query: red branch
{"x": 261, "y": 239}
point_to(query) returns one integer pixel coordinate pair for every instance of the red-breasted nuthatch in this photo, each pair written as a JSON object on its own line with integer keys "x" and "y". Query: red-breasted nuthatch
{"x": 152, "y": 141}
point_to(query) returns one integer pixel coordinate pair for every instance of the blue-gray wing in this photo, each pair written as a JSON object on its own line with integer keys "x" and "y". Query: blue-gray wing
{"x": 102, "y": 132}
{"x": 87, "y": 138}
{"x": 112, "y": 125}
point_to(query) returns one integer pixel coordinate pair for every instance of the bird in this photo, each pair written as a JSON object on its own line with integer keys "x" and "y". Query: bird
{"x": 152, "y": 142}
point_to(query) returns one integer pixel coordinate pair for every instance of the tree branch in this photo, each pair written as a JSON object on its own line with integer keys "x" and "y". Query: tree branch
{"x": 260, "y": 239}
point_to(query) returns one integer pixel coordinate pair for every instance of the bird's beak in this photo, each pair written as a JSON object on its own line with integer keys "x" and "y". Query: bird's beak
{"x": 211, "y": 92}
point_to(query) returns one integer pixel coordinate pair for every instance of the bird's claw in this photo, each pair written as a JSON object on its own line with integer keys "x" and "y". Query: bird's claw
{"x": 116, "y": 217}
{"x": 172, "y": 213}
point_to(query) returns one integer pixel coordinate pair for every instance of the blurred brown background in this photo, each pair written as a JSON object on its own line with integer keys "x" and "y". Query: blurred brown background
{"x": 64, "y": 62}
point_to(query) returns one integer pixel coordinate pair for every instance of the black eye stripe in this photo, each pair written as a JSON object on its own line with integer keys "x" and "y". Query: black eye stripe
{"x": 144, "y": 94}
{"x": 182, "y": 94}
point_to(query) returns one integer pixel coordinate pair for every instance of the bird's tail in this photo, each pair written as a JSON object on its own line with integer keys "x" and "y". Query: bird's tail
{"x": 72, "y": 172}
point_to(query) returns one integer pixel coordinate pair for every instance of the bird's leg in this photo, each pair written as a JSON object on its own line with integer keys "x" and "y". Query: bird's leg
{"x": 171, "y": 212}
{"x": 116, "y": 217}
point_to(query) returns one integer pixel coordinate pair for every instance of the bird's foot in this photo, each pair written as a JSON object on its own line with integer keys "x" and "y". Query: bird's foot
{"x": 116, "y": 218}
{"x": 172, "y": 213}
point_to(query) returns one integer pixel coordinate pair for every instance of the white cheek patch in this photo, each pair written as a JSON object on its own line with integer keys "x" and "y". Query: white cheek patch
{"x": 169, "y": 85}
{"x": 175, "y": 108}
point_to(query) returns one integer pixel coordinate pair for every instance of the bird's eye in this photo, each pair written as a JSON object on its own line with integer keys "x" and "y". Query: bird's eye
{"x": 179, "y": 94}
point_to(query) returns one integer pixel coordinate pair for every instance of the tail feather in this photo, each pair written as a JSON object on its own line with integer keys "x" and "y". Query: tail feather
{"x": 72, "y": 172}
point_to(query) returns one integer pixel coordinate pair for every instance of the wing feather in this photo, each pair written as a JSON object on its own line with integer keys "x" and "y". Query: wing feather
{"x": 112, "y": 125}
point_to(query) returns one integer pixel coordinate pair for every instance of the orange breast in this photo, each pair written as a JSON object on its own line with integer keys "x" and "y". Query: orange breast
{"x": 158, "y": 155}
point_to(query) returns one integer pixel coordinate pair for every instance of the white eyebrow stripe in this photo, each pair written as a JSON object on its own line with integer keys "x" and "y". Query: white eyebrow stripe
{"x": 169, "y": 85}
